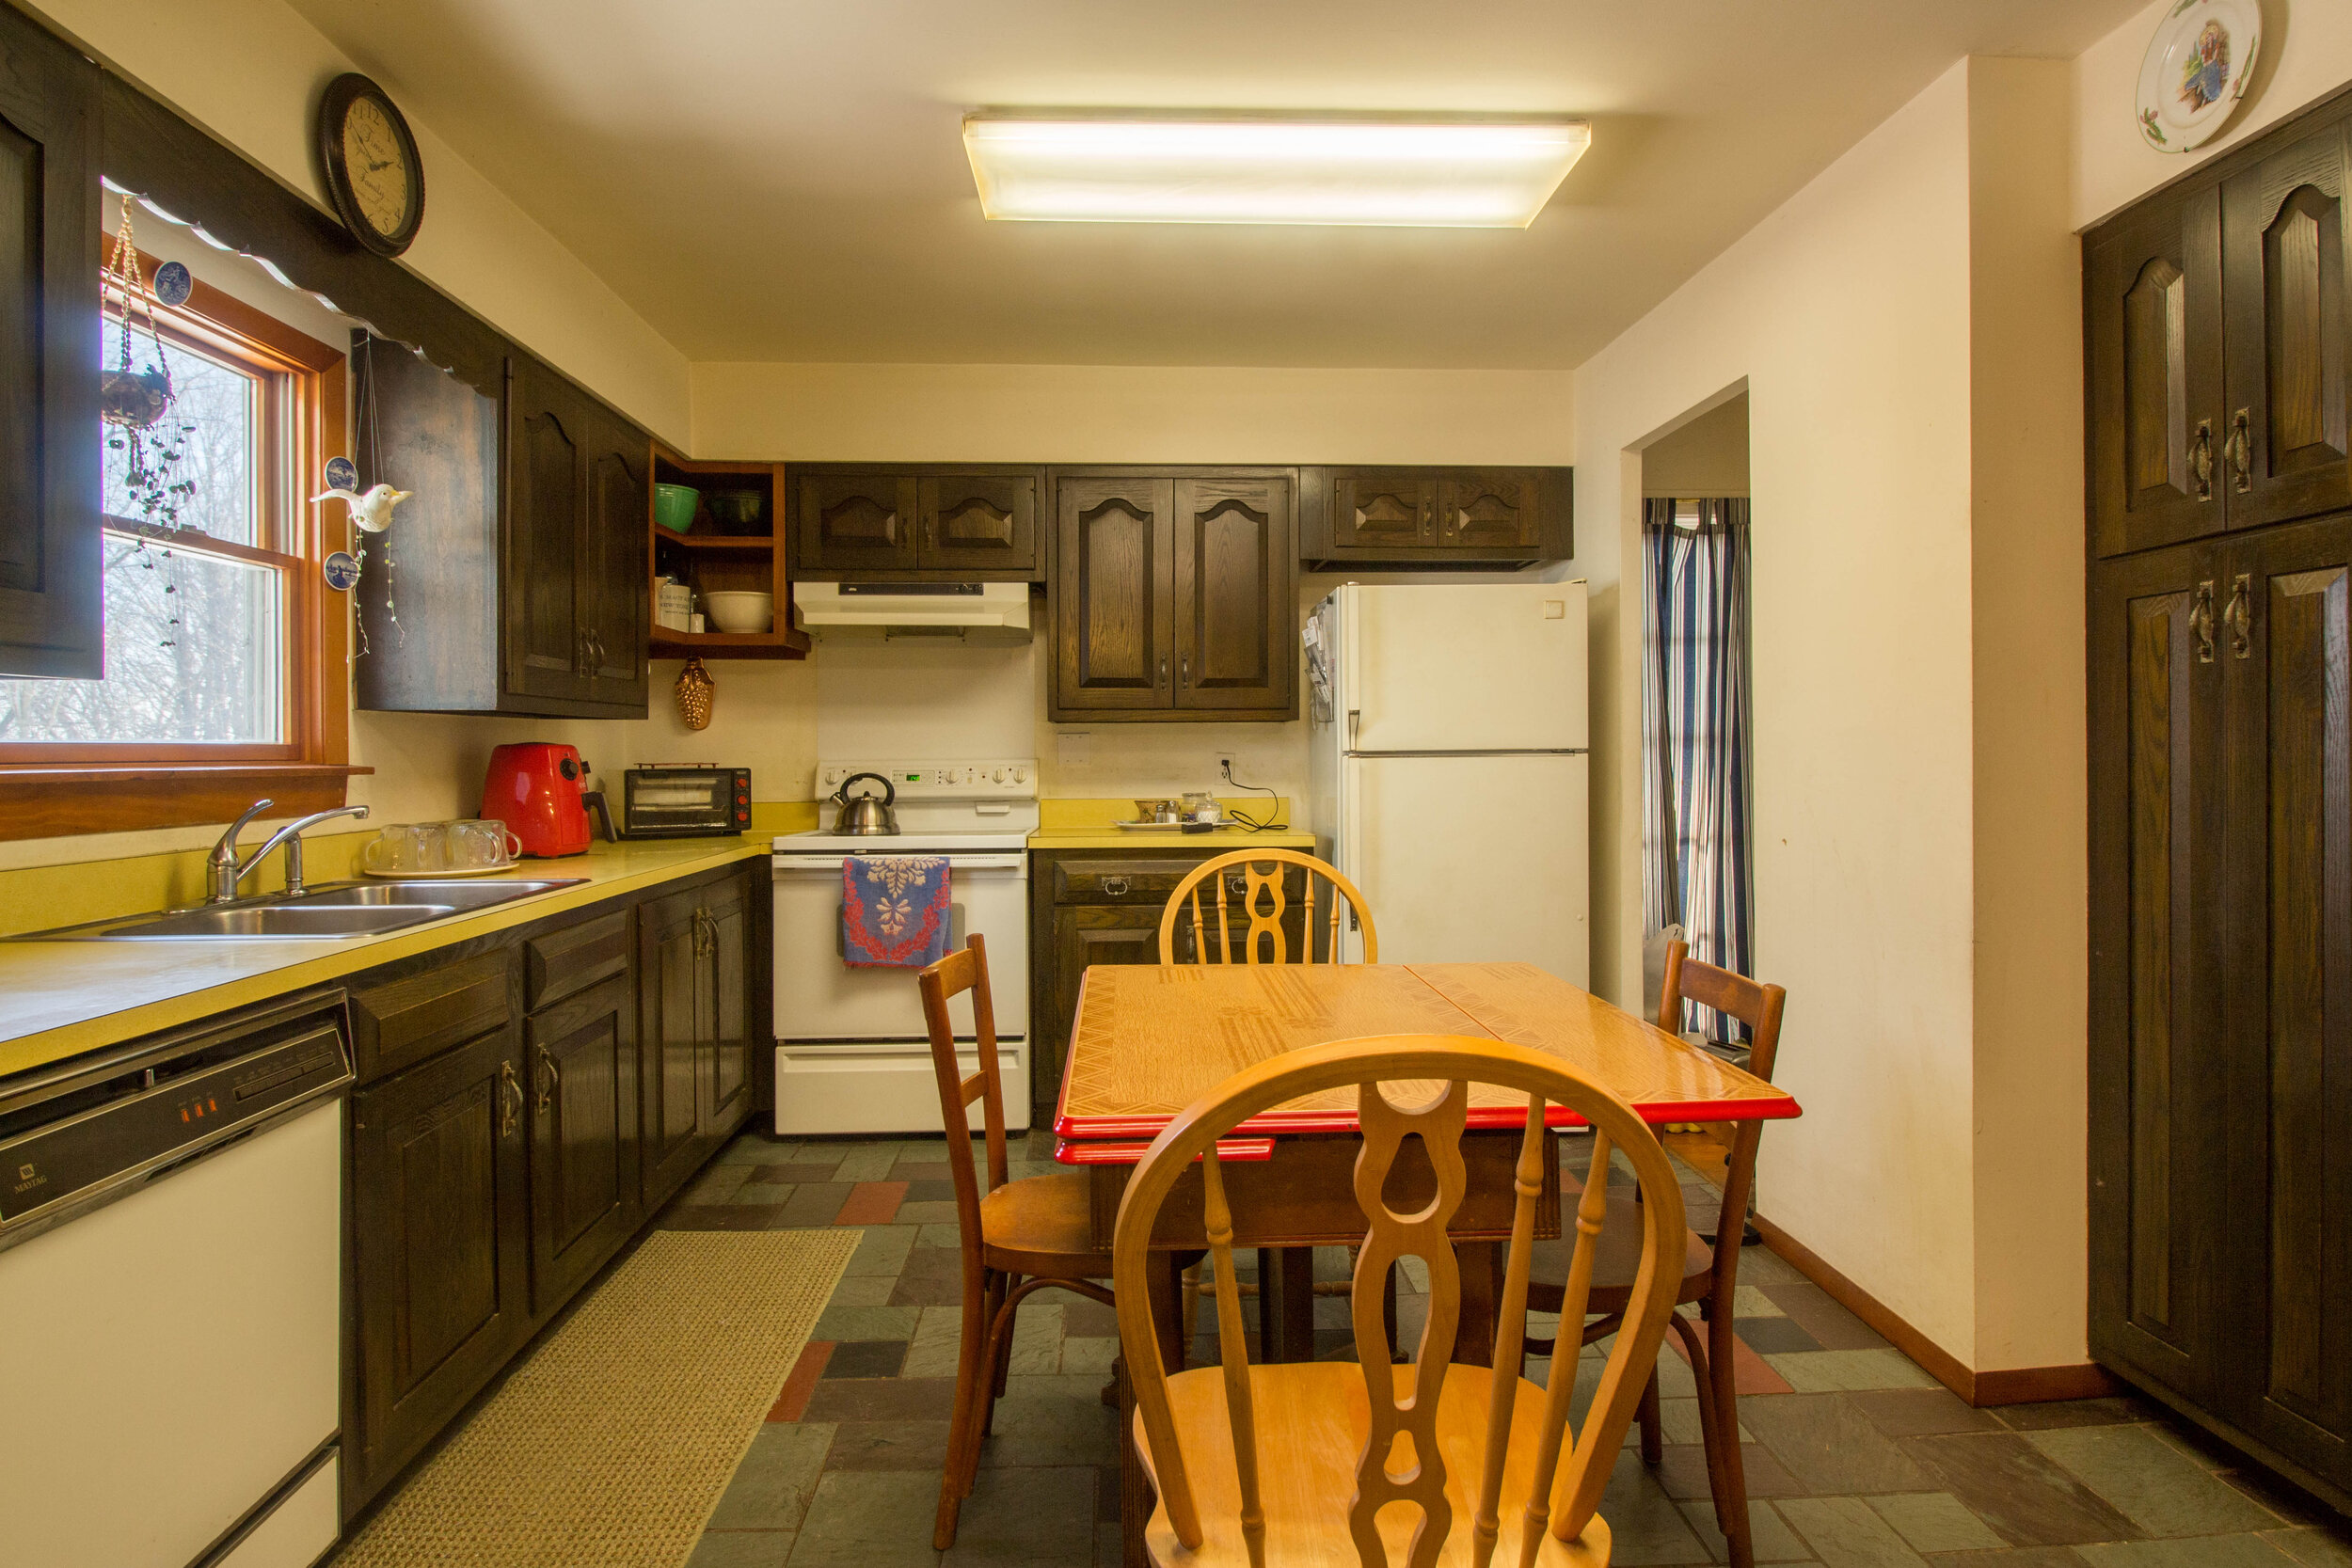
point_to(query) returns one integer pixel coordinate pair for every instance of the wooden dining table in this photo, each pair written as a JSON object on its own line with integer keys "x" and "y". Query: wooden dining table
{"x": 1147, "y": 1041}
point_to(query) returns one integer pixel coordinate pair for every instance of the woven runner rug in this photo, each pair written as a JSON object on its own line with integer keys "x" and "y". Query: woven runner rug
{"x": 609, "y": 1444}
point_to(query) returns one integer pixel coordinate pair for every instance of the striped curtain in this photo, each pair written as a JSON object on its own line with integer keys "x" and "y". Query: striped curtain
{"x": 1695, "y": 734}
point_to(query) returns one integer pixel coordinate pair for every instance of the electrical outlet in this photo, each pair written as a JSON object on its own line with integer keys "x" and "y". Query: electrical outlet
{"x": 1225, "y": 764}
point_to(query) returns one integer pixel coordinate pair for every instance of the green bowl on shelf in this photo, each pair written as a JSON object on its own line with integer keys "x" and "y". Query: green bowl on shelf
{"x": 673, "y": 506}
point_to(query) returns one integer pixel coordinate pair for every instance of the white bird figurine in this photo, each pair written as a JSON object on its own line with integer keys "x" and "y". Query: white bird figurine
{"x": 372, "y": 512}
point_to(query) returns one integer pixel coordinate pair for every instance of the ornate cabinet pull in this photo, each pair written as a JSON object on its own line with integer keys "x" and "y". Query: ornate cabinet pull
{"x": 510, "y": 1099}
{"x": 2240, "y": 616}
{"x": 551, "y": 1078}
{"x": 2201, "y": 460}
{"x": 1115, "y": 887}
{"x": 2239, "y": 448}
{"x": 2201, "y": 620}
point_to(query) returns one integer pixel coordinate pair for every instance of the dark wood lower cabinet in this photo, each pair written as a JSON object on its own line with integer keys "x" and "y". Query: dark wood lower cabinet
{"x": 2221, "y": 986}
{"x": 441, "y": 1253}
{"x": 526, "y": 1102}
{"x": 584, "y": 1142}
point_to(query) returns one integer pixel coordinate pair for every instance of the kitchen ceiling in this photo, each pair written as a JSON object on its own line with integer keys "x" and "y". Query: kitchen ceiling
{"x": 784, "y": 180}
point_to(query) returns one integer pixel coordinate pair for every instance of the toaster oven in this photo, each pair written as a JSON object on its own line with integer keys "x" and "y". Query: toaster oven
{"x": 685, "y": 802}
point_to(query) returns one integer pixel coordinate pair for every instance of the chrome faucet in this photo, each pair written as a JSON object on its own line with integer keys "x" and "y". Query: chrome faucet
{"x": 226, "y": 871}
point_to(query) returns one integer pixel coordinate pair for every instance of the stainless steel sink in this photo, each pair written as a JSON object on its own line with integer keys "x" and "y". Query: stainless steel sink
{"x": 344, "y": 910}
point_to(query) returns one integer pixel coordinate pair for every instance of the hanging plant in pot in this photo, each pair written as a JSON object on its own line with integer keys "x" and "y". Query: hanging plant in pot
{"x": 135, "y": 401}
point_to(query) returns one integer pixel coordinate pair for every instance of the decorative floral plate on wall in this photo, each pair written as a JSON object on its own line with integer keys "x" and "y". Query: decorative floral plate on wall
{"x": 2197, "y": 69}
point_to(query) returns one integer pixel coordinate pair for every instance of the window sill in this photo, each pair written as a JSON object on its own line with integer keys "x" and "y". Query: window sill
{"x": 55, "y": 801}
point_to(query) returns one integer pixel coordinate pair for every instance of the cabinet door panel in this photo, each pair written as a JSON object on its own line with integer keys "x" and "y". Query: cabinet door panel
{"x": 583, "y": 1183}
{"x": 2289, "y": 656}
{"x": 856, "y": 522}
{"x": 727, "y": 972}
{"x": 1373, "y": 509}
{"x": 50, "y": 615}
{"x": 2153, "y": 314}
{"x": 441, "y": 1246}
{"x": 1235, "y": 580}
{"x": 978, "y": 522}
{"x": 613, "y": 590}
{"x": 1112, "y": 640}
{"x": 1486, "y": 507}
{"x": 2284, "y": 231}
{"x": 2156, "y": 1050}
{"x": 544, "y": 651}
{"x": 668, "y": 968}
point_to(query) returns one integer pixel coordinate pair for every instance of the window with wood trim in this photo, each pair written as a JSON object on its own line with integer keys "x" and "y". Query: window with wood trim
{"x": 226, "y": 677}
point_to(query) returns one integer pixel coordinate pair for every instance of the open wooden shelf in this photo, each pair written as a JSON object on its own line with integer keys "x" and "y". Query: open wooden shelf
{"x": 716, "y": 561}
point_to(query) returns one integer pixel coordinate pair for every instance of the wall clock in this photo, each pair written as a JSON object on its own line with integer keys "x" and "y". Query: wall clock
{"x": 372, "y": 170}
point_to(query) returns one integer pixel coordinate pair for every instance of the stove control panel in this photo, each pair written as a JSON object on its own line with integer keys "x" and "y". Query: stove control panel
{"x": 994, "y": 778}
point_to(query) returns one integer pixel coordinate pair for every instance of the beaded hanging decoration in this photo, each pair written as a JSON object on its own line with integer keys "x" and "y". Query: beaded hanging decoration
{"x": 134, "y": 403}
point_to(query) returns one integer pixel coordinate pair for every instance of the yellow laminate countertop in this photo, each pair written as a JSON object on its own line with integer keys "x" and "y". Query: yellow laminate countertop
{"x": 1077, "y": 823}
{"x": 59, "y": 999}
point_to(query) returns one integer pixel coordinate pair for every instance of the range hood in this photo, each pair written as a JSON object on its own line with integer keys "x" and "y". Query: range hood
{"x": 979, "y": 611}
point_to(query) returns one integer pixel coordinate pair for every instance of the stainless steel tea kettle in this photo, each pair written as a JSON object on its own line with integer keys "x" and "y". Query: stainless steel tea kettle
{"x": 864, "y": 816}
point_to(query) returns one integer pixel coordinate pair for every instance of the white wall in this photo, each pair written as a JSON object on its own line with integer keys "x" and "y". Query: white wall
{"x": 1706, "y": 458}
{"x": 251, "y": 71}
{"x": 2306, "y": 55}
{"x": 1843, "y": 313}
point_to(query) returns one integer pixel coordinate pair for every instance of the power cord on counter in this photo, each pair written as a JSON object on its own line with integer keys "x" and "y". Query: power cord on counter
{"x": 1255, "y": 824}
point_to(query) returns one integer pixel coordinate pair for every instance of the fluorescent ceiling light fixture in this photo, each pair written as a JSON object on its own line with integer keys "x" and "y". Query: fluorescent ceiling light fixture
{"x": 1442, "y": 173}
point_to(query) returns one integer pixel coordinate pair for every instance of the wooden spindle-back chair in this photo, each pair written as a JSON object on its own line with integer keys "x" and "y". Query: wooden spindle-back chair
{"x": 1292, "y": 1465}
{"x": 1017, "y": 1237}
{"x": 1264, "y": 904}
{"x": 1711, "y": 1270}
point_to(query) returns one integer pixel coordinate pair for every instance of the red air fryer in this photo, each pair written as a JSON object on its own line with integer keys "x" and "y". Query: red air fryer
{"x": 534, "y": 789}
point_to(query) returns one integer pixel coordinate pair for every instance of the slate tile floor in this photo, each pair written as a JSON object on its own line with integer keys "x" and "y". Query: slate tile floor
{"x": 1855, "y": 1458}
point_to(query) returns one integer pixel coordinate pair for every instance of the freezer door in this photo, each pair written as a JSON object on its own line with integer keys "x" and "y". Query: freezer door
{"x": 1464, "y": 667}
{"x": 1507, "y": 878}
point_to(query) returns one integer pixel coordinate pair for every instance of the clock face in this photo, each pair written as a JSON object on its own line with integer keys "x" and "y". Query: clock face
{"x": 378, "y": 171}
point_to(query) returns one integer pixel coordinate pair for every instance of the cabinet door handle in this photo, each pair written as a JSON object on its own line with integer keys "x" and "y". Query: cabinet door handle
{"x": 2201, "y": 620}
{"x": 1115, "y": 887}
{"x": 2240, "y": 616}
{"x": 2201, "y": 460}
{"x": 510, "y": 1099}
{"x": 1183, "y": 669}
{"x": 551, "y": 1078}
{"x": 2240, "y": 449}
{"x": 1163, "y": 680}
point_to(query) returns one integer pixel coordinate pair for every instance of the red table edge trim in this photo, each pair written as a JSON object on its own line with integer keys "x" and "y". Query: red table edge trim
{"x": 1074, "y": 1129}
{"x": 1128, "y": 1151}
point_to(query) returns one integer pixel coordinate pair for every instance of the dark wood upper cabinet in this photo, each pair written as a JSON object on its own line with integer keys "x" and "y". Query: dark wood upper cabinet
{"x": 1435, "y": 517}
{"x": 51, "y": 609}
{"x": 1236, "y": 586}
{"x": 1173, "y": 593}
{"x": 1113, "y": 592}
{"x": 919, "y": 522}
{"x": 2283, "y": 289}
{"x": 519, "y": 567}
{"x": 583, "y": 1136}
{"x": 2152, "y": 319}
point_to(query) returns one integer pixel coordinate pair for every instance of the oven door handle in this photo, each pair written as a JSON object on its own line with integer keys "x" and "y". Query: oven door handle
{"x": 798, "y": 866}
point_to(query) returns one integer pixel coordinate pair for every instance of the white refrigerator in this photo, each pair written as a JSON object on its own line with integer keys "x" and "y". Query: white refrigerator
{"x": 1448, "y": 767}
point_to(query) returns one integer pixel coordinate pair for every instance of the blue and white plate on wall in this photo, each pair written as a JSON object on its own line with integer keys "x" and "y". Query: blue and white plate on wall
{"x": 2197, "y": 69}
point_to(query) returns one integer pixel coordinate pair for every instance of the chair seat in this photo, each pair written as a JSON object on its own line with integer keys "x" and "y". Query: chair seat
{"x": 1312, "y": 1420}
{"x": 1042, "y": 1226}
{"x": 1616, "y": 1259}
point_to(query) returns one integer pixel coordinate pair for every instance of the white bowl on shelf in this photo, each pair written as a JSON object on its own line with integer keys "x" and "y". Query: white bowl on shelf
{"x": 740, "y": 611}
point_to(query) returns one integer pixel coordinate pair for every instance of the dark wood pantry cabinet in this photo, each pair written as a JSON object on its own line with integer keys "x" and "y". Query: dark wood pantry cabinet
{"x": 2221, "y": 749}
{"x": 699, "y": 1017}
{"x": 51, "y": 611}
{"x": 1173, "y": 593}
{"x": 2216, "y": 339}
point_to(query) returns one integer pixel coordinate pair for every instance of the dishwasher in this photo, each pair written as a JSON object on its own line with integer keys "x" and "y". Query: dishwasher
{"x": 171, "y": 1298}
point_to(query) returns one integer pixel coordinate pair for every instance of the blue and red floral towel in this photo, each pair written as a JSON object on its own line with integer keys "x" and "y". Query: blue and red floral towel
{"x": 894, "y": 911}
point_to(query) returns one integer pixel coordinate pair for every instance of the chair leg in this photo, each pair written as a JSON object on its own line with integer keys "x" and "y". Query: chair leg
{"x": 963, "y": 1429}
{"x": 1191, "y": 1279}
{"x": 1653, "y": 1432}
{"x": 1718, "y": 1435}
{"x": 1001, "y": 1354}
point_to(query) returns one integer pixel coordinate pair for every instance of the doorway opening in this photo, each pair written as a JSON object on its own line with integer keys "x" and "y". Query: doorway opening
{"x": 1697, "y": 714}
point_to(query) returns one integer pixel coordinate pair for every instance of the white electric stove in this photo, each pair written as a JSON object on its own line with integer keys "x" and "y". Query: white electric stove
{"x": 851, "y": 1052}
